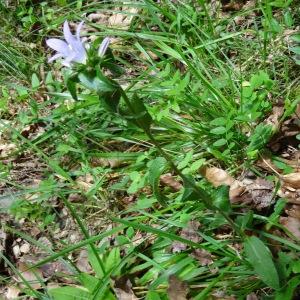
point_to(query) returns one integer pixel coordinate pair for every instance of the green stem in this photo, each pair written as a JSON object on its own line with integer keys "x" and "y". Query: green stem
{"x": 203, "y": 195}
{"x": 84, "y": 231}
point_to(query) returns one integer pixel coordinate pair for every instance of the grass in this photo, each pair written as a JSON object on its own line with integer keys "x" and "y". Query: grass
{"x": 208, "y": 81}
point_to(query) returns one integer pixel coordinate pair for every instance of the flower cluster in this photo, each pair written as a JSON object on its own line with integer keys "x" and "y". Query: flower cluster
{"x": 72, "y": 49}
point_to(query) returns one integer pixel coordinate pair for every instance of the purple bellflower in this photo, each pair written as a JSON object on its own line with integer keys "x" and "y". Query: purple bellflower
{"x": 103, "y": 47}
{"x": 71, "y": 50}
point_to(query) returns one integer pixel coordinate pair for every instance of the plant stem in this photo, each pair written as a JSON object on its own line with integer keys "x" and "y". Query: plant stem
{"x": 203, "y": 195}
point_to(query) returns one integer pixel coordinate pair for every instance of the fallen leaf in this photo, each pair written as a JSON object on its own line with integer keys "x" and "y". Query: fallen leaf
{"x": 203, "y": 256}
{"x": 189, "y": 233}
{"x": 292, "y": 224}
{"x": 170, "y": 181}
{"x": 123, "y": 289}
{"x": 232, "y": 6}
{"x": 25, "y": 248}
{"x": 292, "y": 179}
{"x": 177, "y": 289}
{"x": 274, "y": 118}
{"x": 222, "y": 295}
{"x": 98, "y": 18}
{"x": 252, "y": 296}
{"x": 107, "y": 162}
{"x": 83, "y": 262}
{"x": 293, "y": 210}
{"x": 34, "y": 277}
{"x": 12, "y": 292}
{"x": 217, "y": 177}
{"x": 122, "y": 19}
{"x": 7, "y": 149}
{"x": 85, "y": 182}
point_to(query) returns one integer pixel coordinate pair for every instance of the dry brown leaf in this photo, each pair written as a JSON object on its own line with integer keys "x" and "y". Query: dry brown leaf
{"x": 98, "y": 18}
{"x": 232, "y": 6}
{"x": 85, "y": 182}
{"x": 189, "y": 233}
{"x": 217, "y": 177}
{"x": 123, "y": 289}
{"x": 274, "y": 118}
{"x": 177, "y": 289}
{"x": 203, "y": 256}
{"x": 83, "y": 262}
{"x": 170, "y": 181}
{"x": 292, "y": 180}
{"x": 221, "y": 295}
{"x": 7, "y": 149}
{"x": 123, "y": 19}
{"x": 252, "y": 296}
{"x": 293, "y": 210}
{"x": 32, "y": 276}
{"x": 292, "y": 224}
{"x": 106, "y": 162}
{"x": 25, "y": 248}
{"x": 12, "y": 292}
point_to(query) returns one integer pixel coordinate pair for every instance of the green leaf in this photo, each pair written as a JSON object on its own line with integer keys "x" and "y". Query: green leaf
{"x": 140, "y": 116}
{"x": 88, "y": 281}
{"x": 218, "y": 130}
{"x": 288, "y": 19}
{"x": 220, "y": 143}
{"x": 152, "y": 296}
{"x": 69, "y": 293}
{"x": 35, "y": 83}
{"x": 260, "y": 137}
{"x": 283, "y": 166}
{"x": 221, "y": 198}
{"x": 288, "y": 292}
{"x": 296, "y": 38}
{"x": 96, "y": 84}
{"x": 281, "y": 3}
{"x": 219, "y": 122}
{"x": 195, "y": 166}
{"x": 71, "y": 86}
{"x": 185, "y": 161}
{"x": 94, "y": 263}
{"x": 157, "y": 167}
{"x": 113, "y": 259}
{"x": 191, "y": 194}
{"x": 257, "y": 80}
{"x": 111, "y": 100}
{"x": 273, "y": 218}
{"x": 296, "y": 50}
{"x": 260, "y": 258}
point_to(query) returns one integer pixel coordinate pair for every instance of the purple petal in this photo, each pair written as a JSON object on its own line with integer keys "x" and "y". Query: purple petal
{"x": 80, "y": 57}
{"x": 68, "y": 35}
{"x": 66, "y": 63}
{"x": 54, "y": 57}
{"x": 103, "y": 47}
{"x": 78, "y": 30}
{"x": 59, "y": 46}
{"x": 70, "y": 58}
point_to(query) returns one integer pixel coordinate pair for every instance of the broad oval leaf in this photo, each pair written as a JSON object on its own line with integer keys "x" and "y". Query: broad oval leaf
{"x": 157, "y": 167}
{"x": 260, "y": 257}
{"x": 69, "y": 293}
